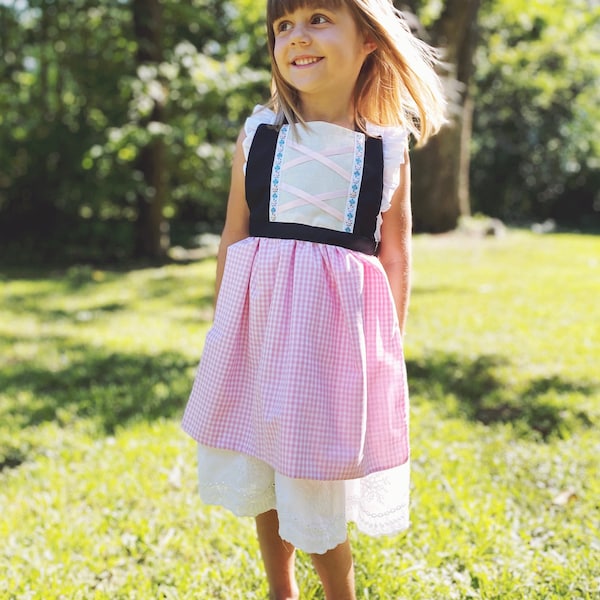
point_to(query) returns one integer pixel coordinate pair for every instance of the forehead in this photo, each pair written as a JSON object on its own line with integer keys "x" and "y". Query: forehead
{"x": 278, "y": 8}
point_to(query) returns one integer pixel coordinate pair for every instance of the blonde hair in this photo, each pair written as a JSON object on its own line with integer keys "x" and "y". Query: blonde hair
{"x": 397, "y": 85}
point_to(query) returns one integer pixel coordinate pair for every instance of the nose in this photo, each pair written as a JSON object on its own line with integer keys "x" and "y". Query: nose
{"x": 299, "y": 35}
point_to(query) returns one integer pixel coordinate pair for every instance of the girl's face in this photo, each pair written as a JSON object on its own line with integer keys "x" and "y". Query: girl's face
{"x": 319, "y": 51}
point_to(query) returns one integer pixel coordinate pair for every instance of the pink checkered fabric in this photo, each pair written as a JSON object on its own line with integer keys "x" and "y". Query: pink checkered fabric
{"x": 303, "y": 367}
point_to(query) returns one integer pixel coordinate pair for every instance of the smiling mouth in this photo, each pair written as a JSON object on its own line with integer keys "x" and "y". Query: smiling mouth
{"x": 306, "y": 60}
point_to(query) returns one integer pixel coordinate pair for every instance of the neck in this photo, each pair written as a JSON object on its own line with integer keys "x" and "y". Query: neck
{"x": 342, "y": 115}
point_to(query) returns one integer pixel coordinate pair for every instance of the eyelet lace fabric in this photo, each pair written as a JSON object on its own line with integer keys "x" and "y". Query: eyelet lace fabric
{"x": 313, "y": 515}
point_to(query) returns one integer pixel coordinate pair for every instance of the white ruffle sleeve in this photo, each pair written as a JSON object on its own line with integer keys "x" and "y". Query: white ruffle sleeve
{"x": 395, "y": 142}
{"x": 260, "y": 115}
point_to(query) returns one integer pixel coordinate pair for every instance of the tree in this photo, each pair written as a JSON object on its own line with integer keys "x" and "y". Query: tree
{"x": 151, "y": 238}
{"x": 100, "y": 101}
{"x": 109, "y": 130}
{"x": 59, "y": 65}
{"x": 186, "y": 104}
{"x": 441, "y": 168}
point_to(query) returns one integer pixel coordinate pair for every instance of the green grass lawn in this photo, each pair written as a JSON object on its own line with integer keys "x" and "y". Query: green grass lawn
{"x": 97, "y": 482}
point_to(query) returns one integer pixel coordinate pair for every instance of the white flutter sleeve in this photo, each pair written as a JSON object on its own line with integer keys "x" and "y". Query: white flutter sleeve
{"x": 395, "y": 142}
{"x": 259, "y": 116}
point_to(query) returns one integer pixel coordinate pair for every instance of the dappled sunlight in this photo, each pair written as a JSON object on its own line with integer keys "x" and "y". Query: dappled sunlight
{"x": 531, "y": 299}
{"x": 108, "y": 387}
{"x": 474, "y": 389}
{"x": 102, "y": 347}
{"x": 111, "y": 308}
{"x": 98, "y": 482}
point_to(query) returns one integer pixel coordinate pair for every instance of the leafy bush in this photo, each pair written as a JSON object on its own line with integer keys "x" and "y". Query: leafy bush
{"x": 536, "y": 145}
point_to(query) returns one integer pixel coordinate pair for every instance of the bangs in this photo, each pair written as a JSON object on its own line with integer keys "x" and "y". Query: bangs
{"x": 279, "y": 8}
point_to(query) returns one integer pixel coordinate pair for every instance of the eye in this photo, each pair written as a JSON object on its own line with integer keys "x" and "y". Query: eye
{"x": 319, "y": 20}
{"x": 282, "y": 26}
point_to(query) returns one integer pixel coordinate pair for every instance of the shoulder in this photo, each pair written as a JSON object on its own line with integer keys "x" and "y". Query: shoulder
{"x": 261, "y": 115}
{"x": 395, "y": 154}
{"x": 395, "y": 141}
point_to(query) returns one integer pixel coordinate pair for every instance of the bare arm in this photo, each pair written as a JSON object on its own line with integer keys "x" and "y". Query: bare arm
{"x": 395, "y": 248}
{"x": 238, "y": 214}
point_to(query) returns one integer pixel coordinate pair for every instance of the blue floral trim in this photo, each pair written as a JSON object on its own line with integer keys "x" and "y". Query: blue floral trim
{"x": 355, "y": 181}
{"x": 276, "y": 173}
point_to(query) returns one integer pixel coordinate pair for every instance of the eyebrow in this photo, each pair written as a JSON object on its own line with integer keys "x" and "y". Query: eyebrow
{"x": 287, "y": 7}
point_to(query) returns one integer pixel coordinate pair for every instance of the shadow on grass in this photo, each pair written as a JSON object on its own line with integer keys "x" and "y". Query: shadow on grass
{"x": 113, "y": 389}
{"x": 47, "y": 291}
{"x": 109, "y": 387}
{"x": 472, "y": 389}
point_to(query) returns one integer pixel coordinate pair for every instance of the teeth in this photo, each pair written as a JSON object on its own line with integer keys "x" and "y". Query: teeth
{"x": 305, "y": 61}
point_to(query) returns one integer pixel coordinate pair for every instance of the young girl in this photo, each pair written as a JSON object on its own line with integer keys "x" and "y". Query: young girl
{"x": 300, "y": 404}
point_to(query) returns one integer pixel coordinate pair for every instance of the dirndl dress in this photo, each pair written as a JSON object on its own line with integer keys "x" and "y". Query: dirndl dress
{"x": 300, "y": 401}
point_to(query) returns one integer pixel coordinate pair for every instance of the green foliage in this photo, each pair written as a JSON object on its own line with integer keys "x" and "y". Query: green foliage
{"x": 209, "y": 81}
{"x": 74, "y": 114}
{"x": 58, "y": 92}
{"x": 536, "y": 150}
{"x": 98, "y": 483}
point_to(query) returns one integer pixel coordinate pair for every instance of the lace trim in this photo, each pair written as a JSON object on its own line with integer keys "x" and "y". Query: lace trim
{"x": 313, "y": 515}
{"x": 357, "y": 172}
{"x": 241, "y": 502}
{"x": 312, "y": 538}
{"x": 389, "y": 522}
{"x": 276, "y": 172}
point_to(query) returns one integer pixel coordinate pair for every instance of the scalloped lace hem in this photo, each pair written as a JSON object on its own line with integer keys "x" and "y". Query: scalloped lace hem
{"x": 313, "y": 515}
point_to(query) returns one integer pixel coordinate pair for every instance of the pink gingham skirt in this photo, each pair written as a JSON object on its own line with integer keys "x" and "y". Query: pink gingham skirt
{"x": 303, "y": 368}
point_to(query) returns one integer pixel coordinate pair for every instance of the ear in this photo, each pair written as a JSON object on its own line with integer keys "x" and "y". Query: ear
{"x": 370, "y": 45}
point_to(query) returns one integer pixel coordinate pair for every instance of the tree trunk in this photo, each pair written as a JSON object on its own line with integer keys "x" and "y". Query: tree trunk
{"x": 152, "y": 237}
{"x": 440, "y": 180}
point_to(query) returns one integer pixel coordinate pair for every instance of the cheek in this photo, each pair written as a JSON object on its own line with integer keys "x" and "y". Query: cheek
{"x": 281, "y": 63}
{"x": 279, "y": 55}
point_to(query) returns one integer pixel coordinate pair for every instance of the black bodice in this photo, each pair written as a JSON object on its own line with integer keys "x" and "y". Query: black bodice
{"x": 259, "y": 169}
